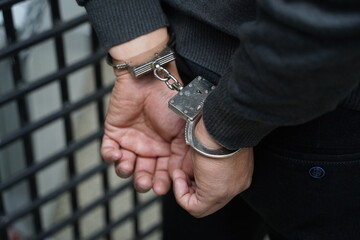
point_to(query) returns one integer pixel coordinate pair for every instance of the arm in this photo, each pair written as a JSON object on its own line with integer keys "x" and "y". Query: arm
{"x": 141, "y": 134}
{"x": 213, "y": 182}
{"x": 118, "y": 21}
{"x": 298, "y": 60}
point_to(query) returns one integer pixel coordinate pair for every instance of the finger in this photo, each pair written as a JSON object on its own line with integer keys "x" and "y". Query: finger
{"x": 175, "y": 162}
{"x": 124, "y": 167}
{"x": 185, "y": 193}
{"x": 162, "y": 179}
{"x": 182, "y": 189}
{"x": 144, "y": 145}
{"x": 216, "y": 207}
{"x": 188, "y": 198}
{"x": 144, "y": 173}
{"x": 110, "y": 150}
{"x": 177, "y": 159}
{"x": 187, "y": 166}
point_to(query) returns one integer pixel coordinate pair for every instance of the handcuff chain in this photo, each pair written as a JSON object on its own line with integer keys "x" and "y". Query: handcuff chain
{"x": 167, "y": 78}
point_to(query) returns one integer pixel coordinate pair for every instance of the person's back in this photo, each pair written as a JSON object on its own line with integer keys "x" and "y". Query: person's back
{"x": 287, "y": 76}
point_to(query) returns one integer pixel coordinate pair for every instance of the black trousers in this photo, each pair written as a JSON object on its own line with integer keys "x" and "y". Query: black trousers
{"x": 306, "y": 186}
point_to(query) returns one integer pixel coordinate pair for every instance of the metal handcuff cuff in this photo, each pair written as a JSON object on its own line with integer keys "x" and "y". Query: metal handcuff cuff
{"x": 187, "y": 103}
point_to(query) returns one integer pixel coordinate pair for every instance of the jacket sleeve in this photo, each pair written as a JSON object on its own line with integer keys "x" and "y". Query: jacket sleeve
{"x": 118, "y": 21}
{"x": 297, "y": 61}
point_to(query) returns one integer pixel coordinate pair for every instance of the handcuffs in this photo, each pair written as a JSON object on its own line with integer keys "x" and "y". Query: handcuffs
{"x": 187, "y": 103}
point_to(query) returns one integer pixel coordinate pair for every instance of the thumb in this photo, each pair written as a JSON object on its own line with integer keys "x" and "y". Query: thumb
{"x": 182, "y": 187}
{"x": 185, "y": 194}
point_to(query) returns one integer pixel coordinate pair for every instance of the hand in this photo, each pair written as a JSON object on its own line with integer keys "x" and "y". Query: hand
{"x": 141, "y": 133}
{"x": 215, "y": 181}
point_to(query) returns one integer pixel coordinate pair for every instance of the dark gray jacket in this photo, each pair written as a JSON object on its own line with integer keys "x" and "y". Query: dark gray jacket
{"x": 281, "y": 62}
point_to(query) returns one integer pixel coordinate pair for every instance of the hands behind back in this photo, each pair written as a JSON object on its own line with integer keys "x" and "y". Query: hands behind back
{"x": 141, "y": 133}
{"x": 214, "y": 181}
{"x": 142, "y": 136}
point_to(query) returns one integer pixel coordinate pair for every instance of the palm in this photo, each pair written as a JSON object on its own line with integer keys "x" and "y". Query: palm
{"x": 141, "y": 130}
{"x": 139, "y": 119}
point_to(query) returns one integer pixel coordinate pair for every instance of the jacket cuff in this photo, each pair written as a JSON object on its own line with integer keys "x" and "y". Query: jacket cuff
{"x": 225, "y": 123}
{"x": 117, "y": 21}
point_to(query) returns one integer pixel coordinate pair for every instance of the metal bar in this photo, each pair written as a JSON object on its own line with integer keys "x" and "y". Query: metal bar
{"x": 23, "y": 115}
{"x": 81, "y": 212}
{"x": 44, "y": 121}
{"x": 135, "y": 217}
{"x": 69, "y": 136}
{"x": 98, "y": 80}
{"x": 50, "y": 160}
{"x": 36, "y": 204}
{"x": 100, "y": 109}
{"x": 28, "y": 87}
{"x": 131, "y": 214}
{"x": 148, "y": 232}
{"x": 13, "y": 48}
{"x": 8, "y": 3}
{"x": 28, "y": 128}
{"x": 3, "y": 232}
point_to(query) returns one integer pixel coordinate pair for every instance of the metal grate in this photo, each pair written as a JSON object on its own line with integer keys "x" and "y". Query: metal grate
{"x": 52, "y": 105}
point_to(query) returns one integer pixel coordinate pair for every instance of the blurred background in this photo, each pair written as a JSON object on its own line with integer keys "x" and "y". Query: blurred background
{"x": 54, "y": 88}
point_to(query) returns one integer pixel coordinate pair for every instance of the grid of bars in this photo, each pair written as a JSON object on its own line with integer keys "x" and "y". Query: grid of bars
{"x": 22, "y": 136}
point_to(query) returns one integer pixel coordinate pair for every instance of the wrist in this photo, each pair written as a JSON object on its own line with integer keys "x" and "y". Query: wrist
{"x": 138, "y": 50}
{"x": 204, "y": 137}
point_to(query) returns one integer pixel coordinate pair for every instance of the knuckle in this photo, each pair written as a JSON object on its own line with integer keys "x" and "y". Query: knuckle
{"x": 247, "y": 184}
{"x": 222, "y": 194}
{"x": 195, "y": 213}
{"x": 244, "y": 186}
